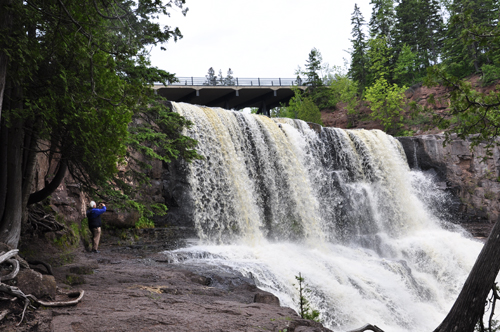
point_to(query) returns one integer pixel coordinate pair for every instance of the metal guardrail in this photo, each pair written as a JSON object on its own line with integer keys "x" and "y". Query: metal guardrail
{"x": 192, "y": 81}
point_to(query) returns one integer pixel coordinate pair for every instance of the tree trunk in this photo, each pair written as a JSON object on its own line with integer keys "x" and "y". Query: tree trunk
{"x": 5, "y": 25}
{"x": 469, "y": 306}
{"x": 10, "y": 226}
{"x": 51, "y": 187}
{"x": 3, "y": 166}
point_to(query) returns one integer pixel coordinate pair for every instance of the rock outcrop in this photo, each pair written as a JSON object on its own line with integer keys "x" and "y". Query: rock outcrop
{"x": 471, "y": 175}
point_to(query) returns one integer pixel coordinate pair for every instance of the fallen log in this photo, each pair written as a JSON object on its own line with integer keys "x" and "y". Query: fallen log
{"x": 368, "y": 327}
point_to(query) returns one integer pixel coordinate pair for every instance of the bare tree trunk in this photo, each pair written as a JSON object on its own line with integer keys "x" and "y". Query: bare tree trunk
{"x": 10, "y": 226}
{"x": 469, "y": 306}
{"x": 3, "y": 166}
{"x": 51, "y": 187}
{"x": 5, "y": 24}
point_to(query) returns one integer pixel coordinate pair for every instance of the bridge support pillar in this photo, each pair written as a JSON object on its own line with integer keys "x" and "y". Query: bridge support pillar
{"x": 263, "y": 109}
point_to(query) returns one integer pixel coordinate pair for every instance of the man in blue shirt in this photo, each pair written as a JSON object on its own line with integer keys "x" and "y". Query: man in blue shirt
{"x": 94, "y": 219}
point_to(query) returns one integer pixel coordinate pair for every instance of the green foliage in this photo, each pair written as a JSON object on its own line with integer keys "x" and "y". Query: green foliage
{"x": 81, "y": 79}
{"x": 387, "y": 102}
{"x": 304, "y": 108}
{"x": 305, "y": 310}
{"x": 313, "y": 67}
{"x": 345, "y": 90}
{"x": 358, "y": 69}
{"x": 379, "y": 60}
{"x": 144, "y": 223}
{"x": 473, "y": 115}
{"x": 301, "y": 106}
{"x": 490, "y": 74}
{"x": 382, "y": 19}
{"x": 405, "y": 70}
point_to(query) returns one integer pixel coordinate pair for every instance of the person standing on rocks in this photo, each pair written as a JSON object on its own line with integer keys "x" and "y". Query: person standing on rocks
{"x": 94, "y": 219}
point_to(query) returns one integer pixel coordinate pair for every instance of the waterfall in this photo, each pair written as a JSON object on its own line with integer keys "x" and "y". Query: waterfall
{"x": 275, "y": 197}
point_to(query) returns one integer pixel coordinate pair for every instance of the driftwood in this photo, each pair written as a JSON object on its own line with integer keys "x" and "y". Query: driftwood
{"x": 4, "y": 313}
{"x": 14, "y": 272}
{"x": 368, "y": 327}
{"x": 79, "y": 296}
{"x": 27, "y": 298}
{"x": 8, "y": 255}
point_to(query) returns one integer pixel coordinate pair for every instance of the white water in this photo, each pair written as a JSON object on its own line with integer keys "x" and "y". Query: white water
{"x": 341, "y": 207}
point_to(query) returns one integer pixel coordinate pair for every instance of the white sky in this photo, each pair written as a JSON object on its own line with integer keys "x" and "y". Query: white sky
{"x": 257, "y": 38}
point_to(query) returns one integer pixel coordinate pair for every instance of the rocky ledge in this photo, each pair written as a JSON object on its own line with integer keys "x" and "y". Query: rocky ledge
{"x": 472, "y": 176}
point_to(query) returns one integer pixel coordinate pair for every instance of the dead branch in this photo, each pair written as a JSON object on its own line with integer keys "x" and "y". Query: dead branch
{"x": 41, "y": 220}
{"x": 12, "y": 290}
{"x": 368, "y": 327}
{"x": 15, "y": 270}
{"x": 59, "y": 304}
{"x": 8, "y": 255}
{"x": 3, "y": 314}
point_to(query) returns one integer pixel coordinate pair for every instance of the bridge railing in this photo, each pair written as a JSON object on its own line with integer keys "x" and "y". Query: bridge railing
{"x": 237, "y": 81}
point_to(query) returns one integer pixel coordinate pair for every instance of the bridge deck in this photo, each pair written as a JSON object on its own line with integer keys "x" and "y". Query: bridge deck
{"x": 261, "y": 93}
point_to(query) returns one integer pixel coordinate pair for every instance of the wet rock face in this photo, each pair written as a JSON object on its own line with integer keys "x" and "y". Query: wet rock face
{"x": 472, "y": 176}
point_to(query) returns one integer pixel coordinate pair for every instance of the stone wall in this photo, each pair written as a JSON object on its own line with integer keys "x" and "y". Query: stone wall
{"x": 472, "y": 176}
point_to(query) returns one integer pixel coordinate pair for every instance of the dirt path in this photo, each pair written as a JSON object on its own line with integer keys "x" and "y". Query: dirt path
{"x": 137, "y": 290}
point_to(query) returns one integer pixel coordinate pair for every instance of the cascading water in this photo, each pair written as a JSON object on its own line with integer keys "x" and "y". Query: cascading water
{"x": 274, "y": 197}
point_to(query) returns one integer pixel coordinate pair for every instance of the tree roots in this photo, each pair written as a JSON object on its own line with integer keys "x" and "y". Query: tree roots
{"x": 18, "y": 294}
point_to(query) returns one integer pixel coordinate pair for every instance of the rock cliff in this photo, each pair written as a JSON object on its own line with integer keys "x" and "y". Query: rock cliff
{"x": 472, "y": 176}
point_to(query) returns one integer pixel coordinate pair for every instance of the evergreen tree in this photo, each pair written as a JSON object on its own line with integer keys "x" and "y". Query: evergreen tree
{"x": 313, "y": 67}
{"x": 379, "y": 60}
{"x": 220, "y": 78}
{"x": 406, "y": 68}
{"x": 382, "y": 19}
{"x": 77, "y": 74}
{"x": 464, "y": 50}
{"x": 419, "y": 26}
{"x": 358, "y": 70}
{"x": 380, "y": 45}
{"x": 229, "y": 80}
{"x": 211, "y": 78}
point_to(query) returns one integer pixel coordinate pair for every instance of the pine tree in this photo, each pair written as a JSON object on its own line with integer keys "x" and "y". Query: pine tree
{"x": 382, "y": 19}
{"x": 463, "y": 50}
{"x": 379, "y": 60}
{"x": 358, "y": 70}
{"x": 220, "y": 78}
{"x": 211, "y": 78}
{"x": 229, "y": 80}
{"x": 419, "y": 26}
{"x": 313, "y": 66}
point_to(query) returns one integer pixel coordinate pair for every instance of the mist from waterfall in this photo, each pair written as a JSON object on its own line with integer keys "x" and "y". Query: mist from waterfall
{"x": 274, "y": 198}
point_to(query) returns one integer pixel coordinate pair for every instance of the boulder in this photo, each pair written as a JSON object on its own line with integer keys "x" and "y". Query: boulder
{"x": 37, "y": 284}
{"x": 266, "y": 298}
{"x": 120, "y": 219}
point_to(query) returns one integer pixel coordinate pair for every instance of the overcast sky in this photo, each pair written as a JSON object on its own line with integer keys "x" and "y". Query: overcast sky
{"x": 258, "y": 38}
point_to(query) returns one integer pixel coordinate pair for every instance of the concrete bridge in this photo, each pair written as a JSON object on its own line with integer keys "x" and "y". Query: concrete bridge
{"x": 233, "y": 93}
